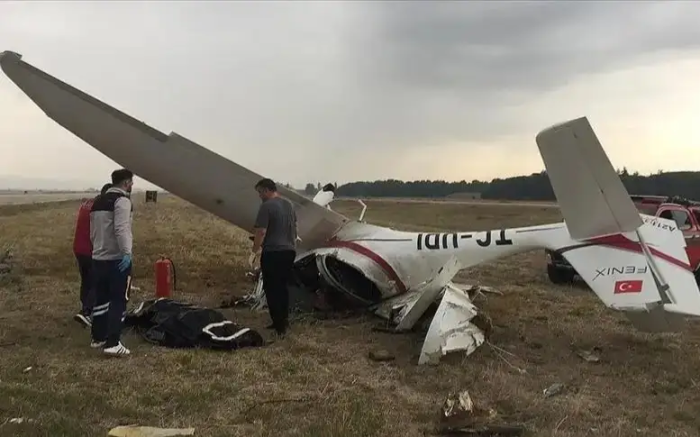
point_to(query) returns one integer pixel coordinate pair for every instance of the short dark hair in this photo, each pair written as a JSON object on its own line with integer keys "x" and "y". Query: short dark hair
{"x": 105, "y": 187}
{"x": 266, "y": 184}
{"x": 121, "y": 175}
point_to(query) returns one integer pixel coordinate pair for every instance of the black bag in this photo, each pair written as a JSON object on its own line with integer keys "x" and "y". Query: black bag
{"x": 181, "y": 325}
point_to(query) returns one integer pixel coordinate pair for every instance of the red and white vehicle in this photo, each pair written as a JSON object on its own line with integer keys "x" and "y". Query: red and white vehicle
{"x": 685, "y": 213}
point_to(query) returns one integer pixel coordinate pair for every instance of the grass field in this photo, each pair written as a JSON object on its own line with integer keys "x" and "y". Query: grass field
{"x": 319, "y": 380}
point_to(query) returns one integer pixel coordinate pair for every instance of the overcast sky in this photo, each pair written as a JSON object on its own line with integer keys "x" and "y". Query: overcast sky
{"x": 343, "y": 91}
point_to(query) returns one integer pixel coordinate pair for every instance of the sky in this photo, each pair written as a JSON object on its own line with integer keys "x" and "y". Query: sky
{"x": 346, "y": 91}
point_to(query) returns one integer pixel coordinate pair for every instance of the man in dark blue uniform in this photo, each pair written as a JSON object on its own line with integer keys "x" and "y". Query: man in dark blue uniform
{"x": 112, "y": 240}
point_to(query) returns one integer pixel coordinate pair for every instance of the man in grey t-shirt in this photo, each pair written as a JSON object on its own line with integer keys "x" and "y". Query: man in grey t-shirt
{"x": 276, "y": 235}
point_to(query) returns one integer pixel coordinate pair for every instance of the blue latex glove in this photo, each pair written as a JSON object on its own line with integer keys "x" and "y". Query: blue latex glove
{"x": 124, "y": 263}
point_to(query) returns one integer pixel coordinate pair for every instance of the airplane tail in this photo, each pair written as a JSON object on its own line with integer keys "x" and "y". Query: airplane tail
{"x": 634, "y": 263}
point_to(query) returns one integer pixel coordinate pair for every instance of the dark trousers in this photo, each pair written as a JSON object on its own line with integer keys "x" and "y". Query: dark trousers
{"x": 111, "y": 295}
{"x": 87, "y": 284}
{"x": 276, "y": 268}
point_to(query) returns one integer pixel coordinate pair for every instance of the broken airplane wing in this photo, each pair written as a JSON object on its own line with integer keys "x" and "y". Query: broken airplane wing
{"x": 217, "y": 185}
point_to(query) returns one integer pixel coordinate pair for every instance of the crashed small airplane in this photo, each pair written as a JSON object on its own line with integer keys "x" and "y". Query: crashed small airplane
{"x": 400, "y": 275}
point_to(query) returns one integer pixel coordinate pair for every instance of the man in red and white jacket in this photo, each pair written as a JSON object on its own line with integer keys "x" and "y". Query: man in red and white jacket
{"x": 82, "y": 249}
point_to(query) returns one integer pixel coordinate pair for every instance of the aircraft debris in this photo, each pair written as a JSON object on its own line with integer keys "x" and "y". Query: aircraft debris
{"x": 554, "y": 389}
{"x": 457, "y": 403}
{"x": 148, "y": 431}
{"x": 20, "y": 420}
{"x": 453, "y": 330}
{"x": 590, "y": 356}
{"x": 476, "y": 290}
{"x": 461, "y": 416}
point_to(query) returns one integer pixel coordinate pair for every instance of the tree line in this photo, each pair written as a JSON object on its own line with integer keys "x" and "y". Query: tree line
{"x": 533, "y": 187}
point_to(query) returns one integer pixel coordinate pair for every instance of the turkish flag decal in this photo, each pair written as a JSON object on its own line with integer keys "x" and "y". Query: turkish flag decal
{"x": 628, "y": 286}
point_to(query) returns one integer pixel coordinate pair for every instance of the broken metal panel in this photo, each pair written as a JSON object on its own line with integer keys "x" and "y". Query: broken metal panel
{"x": 430, "y": 292}
{"x": 257, "y": 298}
{"x": 451, "y": 328}
{"x": 393, "y": 309}
{"x": 363, "y": 264}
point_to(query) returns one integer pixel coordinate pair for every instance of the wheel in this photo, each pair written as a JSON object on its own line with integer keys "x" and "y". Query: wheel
{"x": 560, "y": 275}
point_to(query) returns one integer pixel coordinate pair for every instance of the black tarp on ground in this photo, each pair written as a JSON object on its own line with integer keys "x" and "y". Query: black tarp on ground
{"x": 173, "y": 324}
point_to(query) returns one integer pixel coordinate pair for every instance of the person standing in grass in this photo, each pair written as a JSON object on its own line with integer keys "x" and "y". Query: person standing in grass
{"x": 82, "y": 249}
{"x": 112, "y": 240}
{"x": 275, "y": 236}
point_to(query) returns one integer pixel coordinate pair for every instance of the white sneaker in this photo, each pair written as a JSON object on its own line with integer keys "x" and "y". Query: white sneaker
{"x": 97, "y": 344}
{"x": 83, "y": 320}
{"x": 117, "y": 351}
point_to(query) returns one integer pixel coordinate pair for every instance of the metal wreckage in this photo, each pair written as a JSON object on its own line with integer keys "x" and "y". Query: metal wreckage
{"x": 401, "y": 276}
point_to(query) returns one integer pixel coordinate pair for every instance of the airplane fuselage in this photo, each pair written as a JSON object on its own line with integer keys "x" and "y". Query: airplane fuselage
{"x": 398, "y": 262}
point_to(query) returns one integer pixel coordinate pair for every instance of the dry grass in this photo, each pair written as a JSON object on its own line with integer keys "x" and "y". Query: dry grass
{"x": 643, "y": 385}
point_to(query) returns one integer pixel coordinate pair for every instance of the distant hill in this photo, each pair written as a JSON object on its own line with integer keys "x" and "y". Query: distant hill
{"x": 533, "y": 187}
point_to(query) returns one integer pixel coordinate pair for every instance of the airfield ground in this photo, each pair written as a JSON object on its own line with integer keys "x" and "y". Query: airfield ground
{"x": 18, "y": 198}
{"x": 319, "y": 381}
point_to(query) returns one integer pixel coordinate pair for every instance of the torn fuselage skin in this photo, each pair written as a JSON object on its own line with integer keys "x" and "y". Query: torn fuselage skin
{"x": 324, "y": 282}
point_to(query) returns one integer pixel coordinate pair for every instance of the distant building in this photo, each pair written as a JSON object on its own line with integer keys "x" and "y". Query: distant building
{"x": 465, "y": 196}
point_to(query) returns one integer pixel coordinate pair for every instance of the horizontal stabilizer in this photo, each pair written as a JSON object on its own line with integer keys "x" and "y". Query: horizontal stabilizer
{"x": 645, "y": 273}
{"x": 590, "y": 194}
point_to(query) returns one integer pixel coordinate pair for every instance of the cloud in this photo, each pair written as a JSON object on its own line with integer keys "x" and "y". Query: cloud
{"x": 522, "y": 46}
{"x": 338, "y": 90}
{"x": 471, "y": 61}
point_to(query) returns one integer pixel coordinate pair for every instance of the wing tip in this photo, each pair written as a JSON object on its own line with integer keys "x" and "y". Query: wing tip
{"x": 9, "y": 55}
{"x": 570, "y": 124}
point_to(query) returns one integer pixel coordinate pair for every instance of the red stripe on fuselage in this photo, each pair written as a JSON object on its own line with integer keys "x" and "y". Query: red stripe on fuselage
{"x": 619, "y": 241}
{"x": 381, "y": 262}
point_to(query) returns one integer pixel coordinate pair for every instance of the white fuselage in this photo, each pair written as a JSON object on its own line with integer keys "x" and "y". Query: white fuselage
{"x": 399, "y": 262}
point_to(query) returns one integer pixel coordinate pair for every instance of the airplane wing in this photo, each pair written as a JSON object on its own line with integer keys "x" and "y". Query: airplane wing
{"x": 171, "y": 162}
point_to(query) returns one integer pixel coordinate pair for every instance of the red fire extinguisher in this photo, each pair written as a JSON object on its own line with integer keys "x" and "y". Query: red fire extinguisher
{"x": 165, "y": 277}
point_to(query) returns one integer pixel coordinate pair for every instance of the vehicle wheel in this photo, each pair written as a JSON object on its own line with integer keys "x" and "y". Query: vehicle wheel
{"x": 559, "y": 276}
